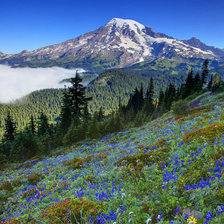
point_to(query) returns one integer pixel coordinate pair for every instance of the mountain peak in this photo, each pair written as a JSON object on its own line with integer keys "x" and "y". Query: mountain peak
{"x": 121, "y": 23}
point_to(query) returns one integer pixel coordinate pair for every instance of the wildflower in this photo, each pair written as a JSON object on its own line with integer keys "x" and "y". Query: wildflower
{"x": 148, "y": 220}
{"x": 220, "y": 210}
{"x": 123, "y": 195}
{"x": 91, "y": 220}
{"x": 186, "y": 217}
{"x": 191, "y": 220}
{"x": 113, "y": 216}
{"x": 209, "y": 215}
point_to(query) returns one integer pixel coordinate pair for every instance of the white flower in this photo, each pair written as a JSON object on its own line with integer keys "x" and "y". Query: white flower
{"x": 123, "y": 195}
{"x": 130, "y": 213}
{"x": 159, "y": 217}
{"x": 219, "y": 208}
{"x": 191, "y": 222}
{"x": 148, "y": 220}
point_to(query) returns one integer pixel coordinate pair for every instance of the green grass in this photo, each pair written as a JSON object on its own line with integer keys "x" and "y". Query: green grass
{"x": 129, "y": 177}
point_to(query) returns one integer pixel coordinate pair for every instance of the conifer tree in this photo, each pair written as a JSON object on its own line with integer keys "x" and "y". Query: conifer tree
{"x": 161, "y": 98}
{"x": 66, "y": 115}
{"x": 169, "y": 96}
{"x": 32, "y": 126}
{"x": 100, "y": 115}
{"x": 93, "y": 130}
{"x": 181, "y": 92}
{"x": 189, "y": 84}
{"x": 210, "y": 83}
{"x": 197, "y": 83}
{"x": 76, "y": 94}
{"x": 10, "y": 129}
{"x": 217, "y": 82}
{"x": 43, "y": 124}
{"x": 204, "y": 74}
{"x": 86, "y": 114}
{"x": 134, "y": 101}
{"x": 141, "y": 97}
{"x": 149, "y": 97}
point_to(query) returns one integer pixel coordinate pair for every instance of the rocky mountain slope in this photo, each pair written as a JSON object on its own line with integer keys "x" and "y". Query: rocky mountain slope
{"x": 120, "y": 43}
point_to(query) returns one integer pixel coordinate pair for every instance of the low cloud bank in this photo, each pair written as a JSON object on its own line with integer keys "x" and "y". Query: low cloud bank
{"x": 18, "y": 82}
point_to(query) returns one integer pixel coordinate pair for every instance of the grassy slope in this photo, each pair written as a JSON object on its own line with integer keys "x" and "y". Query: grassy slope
{"x": 174, "y": 179}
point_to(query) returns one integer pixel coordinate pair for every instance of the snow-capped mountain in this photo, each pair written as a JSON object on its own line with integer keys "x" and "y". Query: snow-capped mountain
{"x": 120, "y": 43}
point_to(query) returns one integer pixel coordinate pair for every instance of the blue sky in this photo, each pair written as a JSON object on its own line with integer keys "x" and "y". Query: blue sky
{"x": 29, "y": 24}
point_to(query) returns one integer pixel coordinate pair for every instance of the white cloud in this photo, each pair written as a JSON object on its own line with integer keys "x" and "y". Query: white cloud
{"x": 18, "y": 82}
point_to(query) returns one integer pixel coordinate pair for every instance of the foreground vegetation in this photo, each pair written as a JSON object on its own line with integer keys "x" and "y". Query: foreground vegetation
{"x": 167, "y": 169}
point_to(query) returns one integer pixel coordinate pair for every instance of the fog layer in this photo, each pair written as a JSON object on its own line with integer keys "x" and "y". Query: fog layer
{"x": 18, "y": 82}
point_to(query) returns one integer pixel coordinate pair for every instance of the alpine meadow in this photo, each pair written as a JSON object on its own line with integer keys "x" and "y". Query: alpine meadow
{"x": 120, "y": 124}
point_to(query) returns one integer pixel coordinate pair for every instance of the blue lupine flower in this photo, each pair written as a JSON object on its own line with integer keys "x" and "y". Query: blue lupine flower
{"x": 91, "y": 220}
{"x": 186, "y": 217}
{"x": 209, "y": 215}
{"x": 222, "y": 164}
{"x": 113, "y": 216}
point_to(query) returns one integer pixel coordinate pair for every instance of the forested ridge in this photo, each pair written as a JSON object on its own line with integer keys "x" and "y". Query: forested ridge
{"x": 47, "y": 101}
{"x": 110, "y": 88}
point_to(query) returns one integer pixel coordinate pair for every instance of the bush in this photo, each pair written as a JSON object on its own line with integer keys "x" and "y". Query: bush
{"x": 71, "y": 211}
{"x": 180, "y": 107}
{"x": 24, "y": 146}
{"x": 75, "y": 134}
{"x": 34, "y": 178}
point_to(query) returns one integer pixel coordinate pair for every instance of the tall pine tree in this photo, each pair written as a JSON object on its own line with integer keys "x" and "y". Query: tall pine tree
{"x": 189, "y": 84}
{"x": 66, "y": 114}
{"x": 76, "y": 95}
{"x": 10, "y": 129}
{"x": 32, "y": 126}
{"x": 149, "y": 97}
{"x": 204, "y": 73}
{"x": 43, "y": 124}
{"x": 197, "y": 83}
{"x": 210, "y": 84}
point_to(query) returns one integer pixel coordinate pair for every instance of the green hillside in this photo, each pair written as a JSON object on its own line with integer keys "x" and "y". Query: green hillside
{"x": 113, "y": 86}
{"x": 47, "y": 101}
{"x": 163, "y": 172}
{"x": 167, "y": 67}
{"x": 106, "y": 91}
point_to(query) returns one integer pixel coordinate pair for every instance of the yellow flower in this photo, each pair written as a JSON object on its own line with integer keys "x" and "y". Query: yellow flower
{"x": 192, "y": 220}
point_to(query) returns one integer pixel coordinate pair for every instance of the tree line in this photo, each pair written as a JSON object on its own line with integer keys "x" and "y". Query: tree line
{"x": 76, "y": 123}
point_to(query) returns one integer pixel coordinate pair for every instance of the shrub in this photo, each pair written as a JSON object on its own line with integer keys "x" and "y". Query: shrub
{"x": 34, "y": 178}
{"x": 180, "y": 107}
{"x": 71, "y": 211}
{"x": 209, "y": 133}
{"x": 75, "y": 134}
{"x": 145, "y": 159}
{"x": 6, "y": 185}
{"x": 77, "y": 163}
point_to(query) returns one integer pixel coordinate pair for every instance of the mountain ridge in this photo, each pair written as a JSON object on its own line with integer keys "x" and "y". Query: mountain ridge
{"x": 119, "y": 43}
